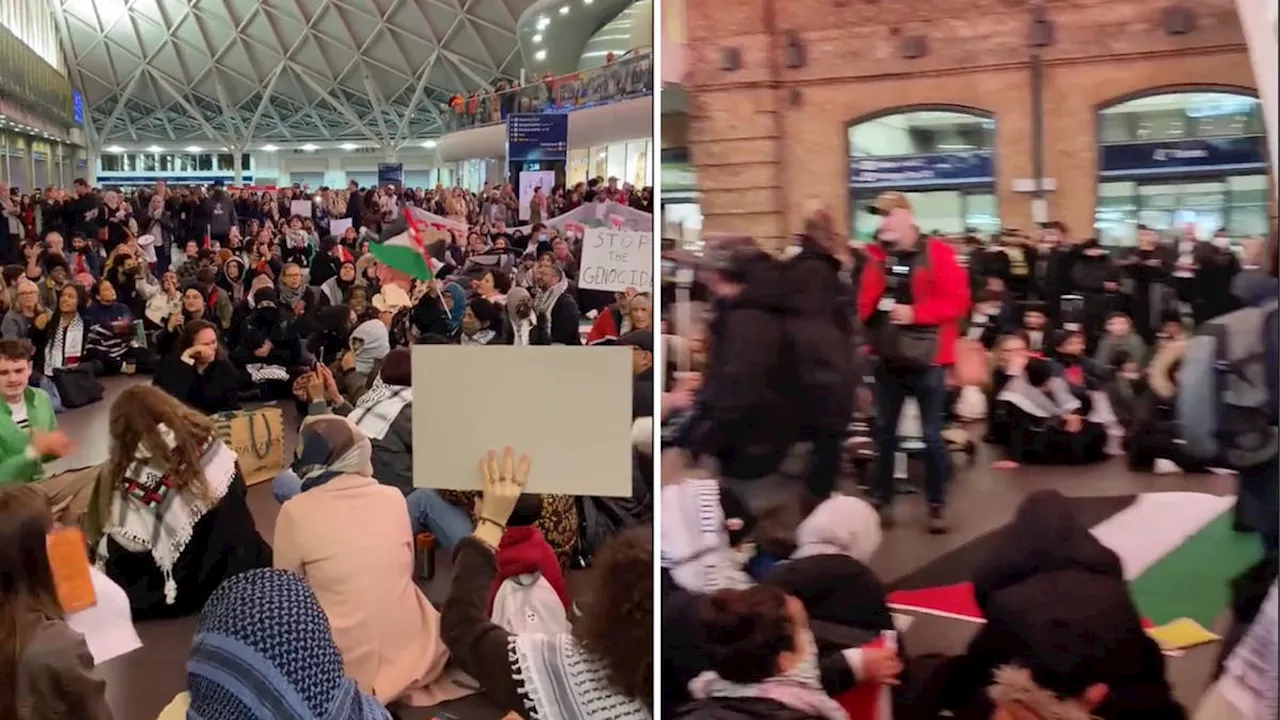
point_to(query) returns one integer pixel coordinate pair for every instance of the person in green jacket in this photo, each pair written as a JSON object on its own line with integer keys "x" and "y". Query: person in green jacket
{"x": 29, "y": 437}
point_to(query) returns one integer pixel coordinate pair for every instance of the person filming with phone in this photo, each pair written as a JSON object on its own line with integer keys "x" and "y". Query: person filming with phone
{"x": 911, "y": 297}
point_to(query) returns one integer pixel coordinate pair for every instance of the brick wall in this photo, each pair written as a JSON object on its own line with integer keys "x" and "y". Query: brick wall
{"x": 766, "y": 139}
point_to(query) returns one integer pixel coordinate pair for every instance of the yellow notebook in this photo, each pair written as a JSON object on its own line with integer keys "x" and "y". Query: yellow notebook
{"x": 1181, "y": 634}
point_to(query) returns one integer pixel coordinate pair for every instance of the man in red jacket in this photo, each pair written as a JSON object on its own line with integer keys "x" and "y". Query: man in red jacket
{"x": 911, "y": 298}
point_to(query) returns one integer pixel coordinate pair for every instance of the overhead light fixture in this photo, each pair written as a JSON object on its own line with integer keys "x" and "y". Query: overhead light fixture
{"x": 537, "y": 38}
{"x": 115, "y": 149}
{"x": 428, "y": 144}
{"x": 543, "y": 22}
{"x": 540, "y": 55}
{"x": 349, "y": 146}
{"x": 154, "y": 148}
{"x": 310, "y": 148}
{"x": 586, "y": 2}
{"x": 269, "y": 148}
{"x": 192, "y": 148}
{"x": 564, "y": 10}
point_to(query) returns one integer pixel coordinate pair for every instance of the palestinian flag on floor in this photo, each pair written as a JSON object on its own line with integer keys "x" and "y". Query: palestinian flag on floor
{"x": 1178, "y": 550}
{"x": 415, "y": 243}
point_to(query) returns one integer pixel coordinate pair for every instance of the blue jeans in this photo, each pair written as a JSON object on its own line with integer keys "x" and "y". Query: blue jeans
{"x": 929, "y": 390}
{"x": 428, "y": 512}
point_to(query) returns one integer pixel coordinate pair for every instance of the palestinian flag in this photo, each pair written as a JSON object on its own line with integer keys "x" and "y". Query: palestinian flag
{"x": 415, "y": 243}
{"x": 1178, "y": 550}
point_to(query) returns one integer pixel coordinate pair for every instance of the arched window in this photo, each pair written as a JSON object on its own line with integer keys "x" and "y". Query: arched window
{"x": 942, "y": 157}
{"x": 1170, "y": 158}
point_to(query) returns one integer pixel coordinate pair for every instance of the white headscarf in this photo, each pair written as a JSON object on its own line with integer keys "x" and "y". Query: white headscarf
{"x": 840, "y": 526}
{"x": 375, "y": 343}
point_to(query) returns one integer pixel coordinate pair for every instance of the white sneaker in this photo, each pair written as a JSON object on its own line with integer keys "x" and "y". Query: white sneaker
{"x": 1164, "y": 466}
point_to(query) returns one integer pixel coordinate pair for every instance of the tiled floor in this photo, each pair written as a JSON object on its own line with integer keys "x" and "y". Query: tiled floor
{"x": 141, "y": 683}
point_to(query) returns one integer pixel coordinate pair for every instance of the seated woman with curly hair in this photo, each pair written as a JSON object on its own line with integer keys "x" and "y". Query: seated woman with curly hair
{"x": 764, "y": 659}
{"x": 169, "y": 519}
{"x": 603, "y": 670}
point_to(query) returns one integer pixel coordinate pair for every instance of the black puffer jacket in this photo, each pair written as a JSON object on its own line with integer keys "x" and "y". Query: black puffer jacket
{"x": 748, "y": 414}
{"x": 1056, "y": 601}
{"x": 820, "y": 335}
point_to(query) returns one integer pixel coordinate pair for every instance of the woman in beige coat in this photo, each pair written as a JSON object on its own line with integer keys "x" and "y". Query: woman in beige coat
{"x": 349, "y": 537}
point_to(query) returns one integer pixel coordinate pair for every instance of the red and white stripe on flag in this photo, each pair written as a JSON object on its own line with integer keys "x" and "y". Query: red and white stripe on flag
{"x": 867, "y": 700}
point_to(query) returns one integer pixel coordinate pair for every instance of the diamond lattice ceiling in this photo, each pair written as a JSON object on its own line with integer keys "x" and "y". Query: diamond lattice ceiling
{"x": 240, "y": 72}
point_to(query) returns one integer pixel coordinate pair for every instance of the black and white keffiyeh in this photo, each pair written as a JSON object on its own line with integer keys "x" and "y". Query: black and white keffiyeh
{"x": 66, "y": 348}
{"x": 148, "y": 515}
{"x": 547, "y": 297}
{"x": 799, "y": 688}
{"x": 479, "y": 337}
{"x": 262, "y": 372}
{"x": 696, "y": 548}
{"x": 379, "y": 407}
{"x": 559, "y": 680}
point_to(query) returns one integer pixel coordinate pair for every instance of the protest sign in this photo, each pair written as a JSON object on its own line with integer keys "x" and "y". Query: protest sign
{"x": 615, "y": 260}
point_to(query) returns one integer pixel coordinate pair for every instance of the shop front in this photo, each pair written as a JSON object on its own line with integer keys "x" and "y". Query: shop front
{"x": 628, "y": 160}
{"x": 942, "y": 158}
{"x": 1169, "y": 160}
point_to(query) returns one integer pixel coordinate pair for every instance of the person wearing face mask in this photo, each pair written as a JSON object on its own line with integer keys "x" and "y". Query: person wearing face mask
{"x": 268, "y": 346}
{"x": 911, "y": 296}
{"x": 989, "y": 319}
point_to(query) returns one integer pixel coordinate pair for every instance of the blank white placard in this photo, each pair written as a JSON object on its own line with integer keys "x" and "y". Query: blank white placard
{"x": 568, "y": 407}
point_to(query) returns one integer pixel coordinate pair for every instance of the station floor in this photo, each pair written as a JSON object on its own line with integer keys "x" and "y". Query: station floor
{"x": 141, "y": 683}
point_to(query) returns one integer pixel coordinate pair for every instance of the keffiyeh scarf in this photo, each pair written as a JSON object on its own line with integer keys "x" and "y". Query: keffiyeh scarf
{"x": 799, "y": 688}
{"x": 379, "y": 407}
{"x": 480, "y": 337}
{"x": 67, "y": 346}
{"x": 148, "y": 515}
{"x": 546, "y": 299}
{"x": 559, "y": 680}
{"x": 263, "y": 649}
{"x": 695, "y": 540}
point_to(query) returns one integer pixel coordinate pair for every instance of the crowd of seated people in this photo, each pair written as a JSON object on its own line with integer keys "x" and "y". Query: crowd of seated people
{"x": 804, "y": 638}
{"x": 264, "y": 310}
